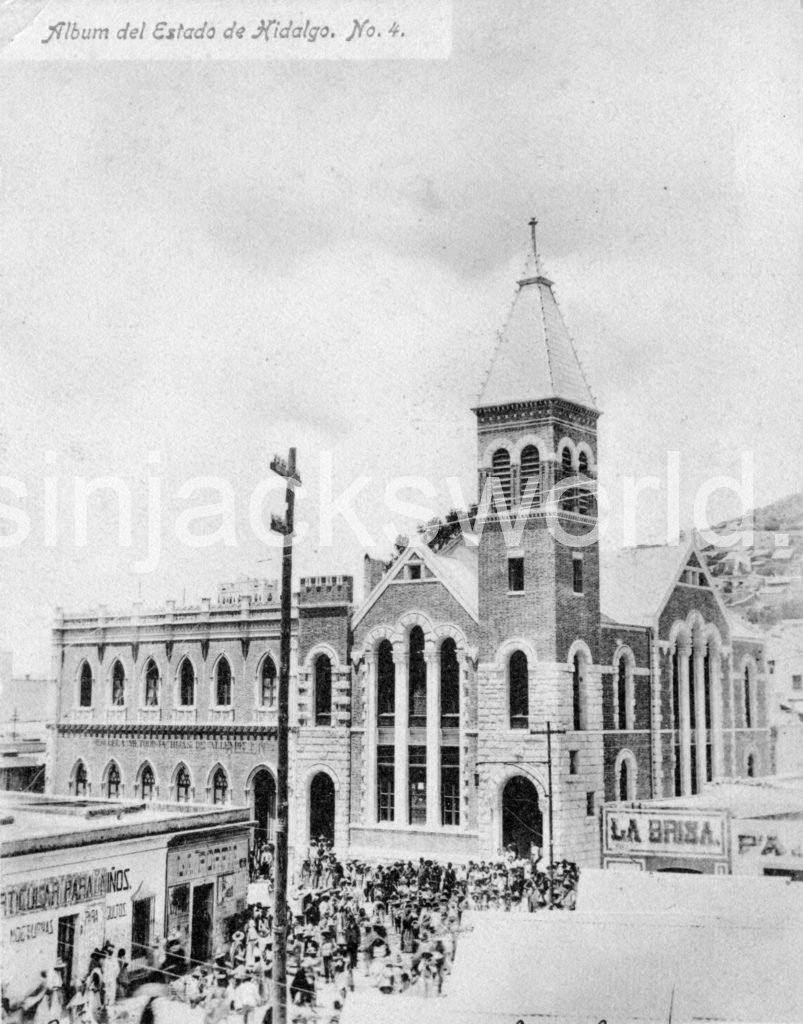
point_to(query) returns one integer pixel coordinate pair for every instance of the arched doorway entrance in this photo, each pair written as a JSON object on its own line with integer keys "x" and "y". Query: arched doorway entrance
{"x": 263, "y": 803}
{"x": 522, "y": 821}
{"x": 322, "y": 807}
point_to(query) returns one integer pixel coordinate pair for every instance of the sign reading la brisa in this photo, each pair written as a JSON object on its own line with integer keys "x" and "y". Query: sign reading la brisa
{"x": 63, "y": 890}
{"x": 641, "y": 832}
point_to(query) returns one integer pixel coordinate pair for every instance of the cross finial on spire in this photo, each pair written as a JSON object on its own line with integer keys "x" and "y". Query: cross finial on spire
{"x": 533, "y": 223}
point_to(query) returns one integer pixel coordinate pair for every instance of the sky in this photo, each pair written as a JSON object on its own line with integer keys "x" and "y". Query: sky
{"x": 203, "y": 263}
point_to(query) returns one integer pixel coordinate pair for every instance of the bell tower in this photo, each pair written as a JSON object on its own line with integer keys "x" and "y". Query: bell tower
{"x": 539, "y": 606}
{"x": 537, "y": 445}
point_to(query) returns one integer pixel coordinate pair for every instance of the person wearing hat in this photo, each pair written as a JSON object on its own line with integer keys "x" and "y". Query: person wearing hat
{"x": 237, "y": 948}
{"x": 94, "y": 985}
{"x": 302, "y": 988}
{"x": 111, "y": 966}
{"x": 55, "y": 989}
{"x": 123, "y": 980}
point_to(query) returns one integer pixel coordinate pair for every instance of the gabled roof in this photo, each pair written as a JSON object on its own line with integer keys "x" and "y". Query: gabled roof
{"x": 636, "y": 583}
{"x": 457, "y": 575}
{"x": 535, "y": 358}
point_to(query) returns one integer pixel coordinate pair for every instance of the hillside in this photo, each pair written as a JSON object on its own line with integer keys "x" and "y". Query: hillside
{"x": 762, "y": 576}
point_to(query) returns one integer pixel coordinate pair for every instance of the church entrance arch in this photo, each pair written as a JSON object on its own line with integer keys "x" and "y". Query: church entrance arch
{"x": 263, "y": 804}
{"x": 322, "y": 807}
{"x": 522, "y": 820}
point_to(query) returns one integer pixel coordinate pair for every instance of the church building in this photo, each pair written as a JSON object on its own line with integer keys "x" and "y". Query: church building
{"x": 474, "y": 686}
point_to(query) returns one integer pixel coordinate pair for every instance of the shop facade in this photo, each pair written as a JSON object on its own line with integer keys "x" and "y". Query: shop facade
{"x": 770, "y": 846}
{"x": 206, "y": 887}
{"x": 665, "y": 839}
{"x": 742, "y": 827}
{"x": 74, "y": 879}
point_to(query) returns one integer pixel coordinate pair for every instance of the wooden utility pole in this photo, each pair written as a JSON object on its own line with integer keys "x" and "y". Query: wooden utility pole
{"x": 284, "y": 526}
{"x": 550, "y": 732}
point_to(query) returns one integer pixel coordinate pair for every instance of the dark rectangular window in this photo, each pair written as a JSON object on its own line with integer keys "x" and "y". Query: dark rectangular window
{"x": 797, "y": 682}
{"x": 323, "y": 690}
{"x": 694, "y": 786}
{"x": 518, "y": 686}
{"x": 574, "y": 758}
{"x": 515, "y": 574}
{"x": 591, "y": 805}
{"x": 450, "y": 785}
{"x": 418, "y": 785}
{"x": 385, "y": 784}
{"x": 386, "y": 686}
{"x": 577, "y": 575}
{"x": 678, "y": 774}
{"x": 141, "y": 919}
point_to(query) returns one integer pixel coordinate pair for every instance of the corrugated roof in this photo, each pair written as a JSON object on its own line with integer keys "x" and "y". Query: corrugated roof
{"x": 535, "y": 357}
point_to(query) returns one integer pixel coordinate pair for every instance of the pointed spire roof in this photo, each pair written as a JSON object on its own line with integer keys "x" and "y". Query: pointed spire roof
{"x": 535, "y": 357}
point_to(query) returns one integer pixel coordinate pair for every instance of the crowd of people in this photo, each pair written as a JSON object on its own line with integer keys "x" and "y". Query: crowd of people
{"x": 349, "y": 924}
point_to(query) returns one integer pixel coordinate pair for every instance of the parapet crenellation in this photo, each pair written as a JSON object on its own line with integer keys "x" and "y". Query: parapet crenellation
{"x": 326, "y": 589}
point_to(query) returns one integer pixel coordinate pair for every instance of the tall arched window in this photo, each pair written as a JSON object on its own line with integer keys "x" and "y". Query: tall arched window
{"x": 625, "y": 780}
{"x": 220, "y": 787}
{"x": 186, "y": 684}
{"x": 147, "y": 783}
{"x": 113, "y": 781}
{"x": 267, "y": 690}
{"x": 151, "y": 684}
{"x": 118, "y": 685}
{"x": 450, "y": 685}
{"x": 183, "y": 785}
{"x": 709, "y": 753}
{"x": 748, "y": 702}
{"x": 500, "y": 469}
{"x": 577, "y": 694}
{"x": 621, "y": 693}
{"x": 223, "y": 682}
{"x": 676, "y": 719}
{"x": 385, "y": 685}
{"x": 418, "y": 680}
{"x": 568, "y": 495}
{"x": 80, "y": 780}
{"x": 323, "y": 690}
{"x": 530, "y": 470}
{"x": 85, "y": 689}
{"x": 518, "y": 691}
{"x": 584, "y": 497}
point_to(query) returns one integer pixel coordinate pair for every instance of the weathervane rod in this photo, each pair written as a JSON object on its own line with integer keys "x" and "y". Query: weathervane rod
{"x": 533, "y": 223}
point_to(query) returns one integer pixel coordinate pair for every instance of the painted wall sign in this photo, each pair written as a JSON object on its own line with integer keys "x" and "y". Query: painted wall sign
{"x": 761, "y": 843}
{"x": 63, "y": 891}
{"x": 642, "y": 832}
{"x": 202, "y": 743}
{"x": 206, "y": 859}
